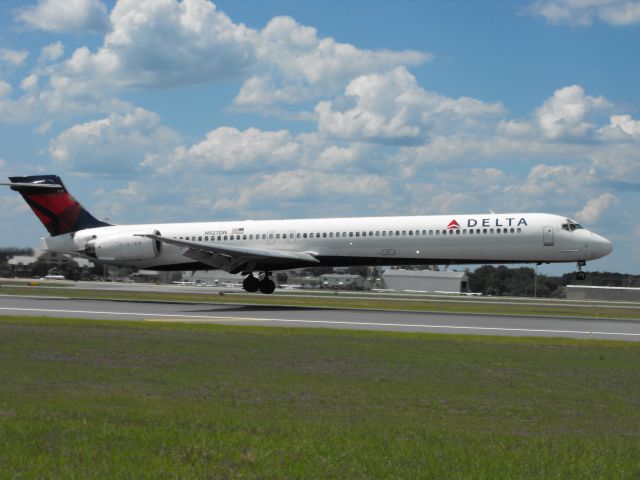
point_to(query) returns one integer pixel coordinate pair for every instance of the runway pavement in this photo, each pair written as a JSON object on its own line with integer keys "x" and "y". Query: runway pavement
{"x": 472, "y": 324}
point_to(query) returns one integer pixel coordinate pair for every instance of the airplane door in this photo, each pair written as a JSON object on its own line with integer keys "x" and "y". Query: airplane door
{"x": 547, "y": 236}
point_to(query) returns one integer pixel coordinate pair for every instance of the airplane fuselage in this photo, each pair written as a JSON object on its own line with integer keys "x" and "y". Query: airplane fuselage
{"x": 404, "y": 240}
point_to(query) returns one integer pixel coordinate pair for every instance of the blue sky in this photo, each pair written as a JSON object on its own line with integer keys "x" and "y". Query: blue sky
{"x": 161, "y": 110}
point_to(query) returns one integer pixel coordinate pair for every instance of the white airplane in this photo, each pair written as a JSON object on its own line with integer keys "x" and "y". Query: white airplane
{"x": 261, "y": 247}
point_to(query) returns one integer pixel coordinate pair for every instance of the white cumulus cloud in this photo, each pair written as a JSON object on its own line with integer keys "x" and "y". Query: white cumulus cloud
{"x": 565, "y": 114}
{"x": 51, "y": 52}
{"x": 5, "y": 89}
{"x": 295, "y": 65}
{"x": 585, "y": 12}
{"x": 13, "y": 58}
{"x": 112, "y": 145}
{"x": 595, "y": 207}
{"x": 73, "y": 16}
{"x": 229, "y": 149}
{"x": 391, "y": 106}
{"x": 621, "y": 127}
{"x": 29, "y": 82}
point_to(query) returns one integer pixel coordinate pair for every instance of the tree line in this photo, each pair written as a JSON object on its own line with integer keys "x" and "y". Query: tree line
{"x": 519, "y": 282}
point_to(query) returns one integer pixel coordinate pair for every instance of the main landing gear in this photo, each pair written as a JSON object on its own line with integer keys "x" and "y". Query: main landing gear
{"x": 265, "y": 284}
{"x": 580, "y": 275}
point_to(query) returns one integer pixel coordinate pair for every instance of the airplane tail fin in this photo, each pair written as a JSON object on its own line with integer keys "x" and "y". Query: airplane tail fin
{"x": 56, "y": 208}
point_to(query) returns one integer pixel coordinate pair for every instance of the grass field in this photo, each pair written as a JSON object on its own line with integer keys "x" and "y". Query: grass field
{"x": 496, "y": 305}
{"x": 90, "y": 399}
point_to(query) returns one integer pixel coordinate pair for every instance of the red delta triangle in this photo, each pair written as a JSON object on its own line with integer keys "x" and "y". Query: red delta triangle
{"x": 453, "y": 224}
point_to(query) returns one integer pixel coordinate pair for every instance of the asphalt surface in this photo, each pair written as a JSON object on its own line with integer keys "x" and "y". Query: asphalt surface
{"x": 451, "y": 323}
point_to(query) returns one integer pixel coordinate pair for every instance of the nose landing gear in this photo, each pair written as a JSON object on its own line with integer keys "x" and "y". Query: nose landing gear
{"x": 265, "y": 285}
{"x": 580, "y": 275}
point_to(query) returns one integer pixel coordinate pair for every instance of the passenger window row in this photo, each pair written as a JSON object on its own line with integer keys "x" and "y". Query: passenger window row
{"x": 377, "y": 233}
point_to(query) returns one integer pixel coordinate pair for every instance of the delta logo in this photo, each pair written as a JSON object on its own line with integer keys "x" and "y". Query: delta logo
{"x": 453, "y": 225}
{"x": 490, "y": 222}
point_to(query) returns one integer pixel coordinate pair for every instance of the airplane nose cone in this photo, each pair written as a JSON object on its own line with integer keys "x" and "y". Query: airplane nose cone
{"x": 603, "y": 246}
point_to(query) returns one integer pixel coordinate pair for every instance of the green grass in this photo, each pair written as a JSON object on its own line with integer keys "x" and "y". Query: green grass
{"x": 340, "y": 301}
{"x": 91, "y": 399}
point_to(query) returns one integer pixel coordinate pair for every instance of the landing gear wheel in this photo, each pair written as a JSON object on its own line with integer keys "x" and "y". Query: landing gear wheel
{"x": 251, "y": 284}
{"x": 267, "y": 285}
{"x": 580, "y": 275}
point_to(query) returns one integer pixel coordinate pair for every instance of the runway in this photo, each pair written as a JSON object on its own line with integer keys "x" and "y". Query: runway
{"x": 450, "y": 323}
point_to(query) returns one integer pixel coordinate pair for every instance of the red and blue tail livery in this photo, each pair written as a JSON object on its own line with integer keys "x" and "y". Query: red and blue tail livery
{"x": 56, "y": 208}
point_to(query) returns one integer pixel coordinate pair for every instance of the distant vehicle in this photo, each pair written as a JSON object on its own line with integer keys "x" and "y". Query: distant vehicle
{"x": 53, "y": 277}
{"x": 262, "y": 247}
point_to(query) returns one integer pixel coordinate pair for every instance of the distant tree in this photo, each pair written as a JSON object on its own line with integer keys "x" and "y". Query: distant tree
{"x": 516, "y": 282}
{"x": 7, "y": 252}
{"x": 603, "y": 279}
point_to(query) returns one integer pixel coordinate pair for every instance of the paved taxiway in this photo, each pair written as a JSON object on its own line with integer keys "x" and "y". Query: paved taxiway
{"x": 473, "y": 324}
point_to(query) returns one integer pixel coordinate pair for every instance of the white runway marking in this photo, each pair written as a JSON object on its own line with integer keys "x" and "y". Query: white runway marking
{"x": 169, "y": 317}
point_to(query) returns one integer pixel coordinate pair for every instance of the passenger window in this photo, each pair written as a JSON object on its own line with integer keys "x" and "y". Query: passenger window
{"x": 304, "y": 235}
{"x": 491, "y": 231}
{"x": 371, "y": 234}
{"x": 430, "y": 232}
{"x": 357, "y": 234}
{"x": 351, "y": 234}
{"x": 284, "y": 235}
{"x": 297, "y": 235}
{"x": 519, "y": 230}
{"x": 411, "y": 233}
{"x": 458, "y": 231}
{"x": 225, "y": 237}
{"x": 324, "y": 235}
{"x": 277, "y": 236}
{"x": 330, "y": 234}
{"x": 271, "y": 236}
{"x": 244, "y": 237}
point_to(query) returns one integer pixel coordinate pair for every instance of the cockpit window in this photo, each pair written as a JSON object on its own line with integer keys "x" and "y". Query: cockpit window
{"x": 570, "y": 226}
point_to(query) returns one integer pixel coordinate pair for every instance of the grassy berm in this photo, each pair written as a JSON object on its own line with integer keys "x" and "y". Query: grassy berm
{"x": 89, "y": 399}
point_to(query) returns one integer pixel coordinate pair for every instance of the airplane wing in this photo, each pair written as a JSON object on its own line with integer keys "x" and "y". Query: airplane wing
{"x": 238, "y": 259}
